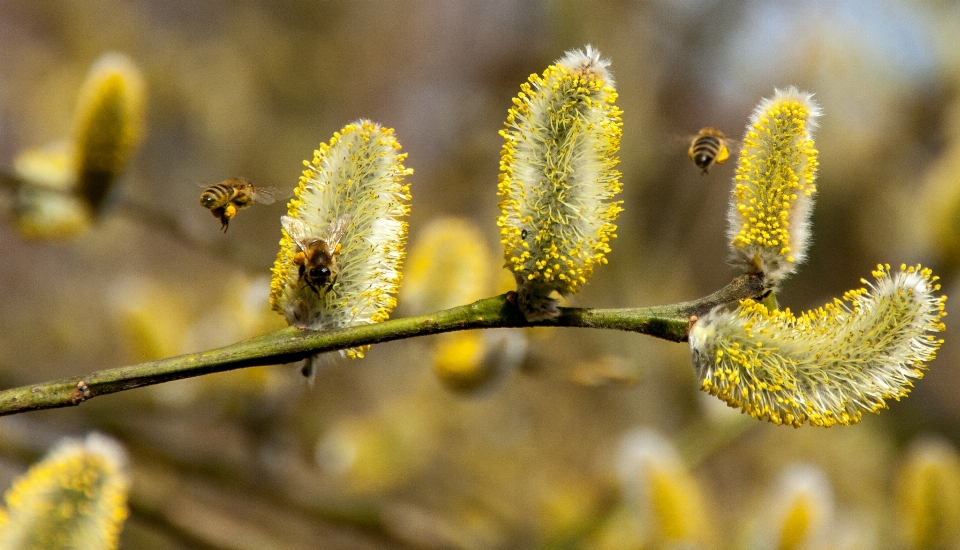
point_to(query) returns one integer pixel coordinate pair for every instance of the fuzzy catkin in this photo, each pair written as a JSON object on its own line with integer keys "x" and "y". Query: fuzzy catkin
{"x": 558, "y": 179}
{"x": 827, "y": 366}
{"x": 108, "y": 125}
{"x": 357, "y": 176}
{"x": 75, "y": 498}
{"x": 774, "y": 186}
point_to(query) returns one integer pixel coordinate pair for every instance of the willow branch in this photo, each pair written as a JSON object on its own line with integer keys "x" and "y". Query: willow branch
{"x": 160, "y": 222}
{"x": 291, "y": 344}
{"x": 169, "y": 225}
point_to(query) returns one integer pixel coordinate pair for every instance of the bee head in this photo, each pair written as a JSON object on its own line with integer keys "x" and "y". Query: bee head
{"x": 319, "y": 273}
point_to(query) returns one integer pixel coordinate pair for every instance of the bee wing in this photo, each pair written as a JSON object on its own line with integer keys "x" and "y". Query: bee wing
{"x": 267, "y": 195}
{"x": 677, "y": 142}
{"x": 296, "y": 229}
{"x": 337, "y": 230}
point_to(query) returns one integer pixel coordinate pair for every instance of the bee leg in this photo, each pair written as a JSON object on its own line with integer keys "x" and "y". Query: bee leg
{"x": 300, "y": 272}
{"x": 221, "y": 215}
{"x": 328, "y": 286}
{"x": 307, "y": 369}
{"x": 229, "y": 211}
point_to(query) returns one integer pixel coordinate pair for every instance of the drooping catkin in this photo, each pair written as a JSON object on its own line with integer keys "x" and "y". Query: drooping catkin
{"x": 827, "y": 366}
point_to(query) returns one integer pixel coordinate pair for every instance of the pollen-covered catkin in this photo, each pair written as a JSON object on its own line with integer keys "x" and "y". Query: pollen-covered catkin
{"x": 354, "y": 187}
{"x": 46, "y": 207}
{"x": 76, "y": 497}
{"x": 772, "y": 198}
{"x": 449, "y": 265}
{"x": 67, "y": 182}
{"x": 558, "y": 179}
{"x": 827, "y": 366}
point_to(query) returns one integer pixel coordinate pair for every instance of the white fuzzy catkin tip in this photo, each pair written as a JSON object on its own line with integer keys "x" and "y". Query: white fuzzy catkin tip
{"x": 772, "y": 197}
{"x": 356, "y": 183}
{"x": 829, "y": 365}
{"x": 558, "y": 179}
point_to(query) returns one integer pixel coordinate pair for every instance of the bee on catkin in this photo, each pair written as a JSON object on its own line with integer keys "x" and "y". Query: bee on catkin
{"x": 343, "y": 239}
{"x": 317, "y": 258}
{"x": 224, "y": 199}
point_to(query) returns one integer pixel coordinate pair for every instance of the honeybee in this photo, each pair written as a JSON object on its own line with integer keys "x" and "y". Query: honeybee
{"x": 708, "y": 147}
{"x": 224, "y": 199}
{"x": 317, "y": 258}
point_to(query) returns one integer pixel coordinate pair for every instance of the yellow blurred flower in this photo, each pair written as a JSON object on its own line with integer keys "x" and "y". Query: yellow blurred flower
{"x": 74, "y": 499}
{"x": 928, "y": 496}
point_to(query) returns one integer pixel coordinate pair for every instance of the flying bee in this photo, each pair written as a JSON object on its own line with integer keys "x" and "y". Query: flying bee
{"x": 224, "y": 199}
{"x": 708, "y": 147}
{"x": 317, "y": 258}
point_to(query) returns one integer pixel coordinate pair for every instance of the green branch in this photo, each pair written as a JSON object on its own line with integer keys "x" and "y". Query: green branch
{"x": 292, "y": 344}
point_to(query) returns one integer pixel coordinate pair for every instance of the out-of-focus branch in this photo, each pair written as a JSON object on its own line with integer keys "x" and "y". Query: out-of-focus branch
{"x": 170, "y": 226}
{"x": 157, "y": 220}
{"x": 291, "y": 344}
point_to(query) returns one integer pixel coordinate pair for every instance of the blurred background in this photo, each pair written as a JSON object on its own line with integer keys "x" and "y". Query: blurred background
{"x": 515, "y": 440}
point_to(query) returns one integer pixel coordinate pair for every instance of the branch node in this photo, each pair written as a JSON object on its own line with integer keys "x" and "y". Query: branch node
{"x": 693, "y": 319}
{"x": 80, "y": 394}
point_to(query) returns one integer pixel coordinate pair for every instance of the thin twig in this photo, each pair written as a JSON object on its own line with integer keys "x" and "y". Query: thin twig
{"x": 291, "y": 344}
{"x": 169, "y": 225}
{"x": 146, "y": 215}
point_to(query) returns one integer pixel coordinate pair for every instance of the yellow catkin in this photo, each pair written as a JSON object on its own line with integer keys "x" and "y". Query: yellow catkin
{"x": 774, "y": 186}
{"x": 928, "y": 496}
{"x": 358, "y": 177}
{"x": 73, "y": 499}
{"x": 799, "y": 510}
{"x": 558, "y": 179}
{"x": 46, "y": 208}
{"x": 829, "y": 365}
{"x": 107, "y": 126}
{"x": 449, "y": 265}
{"x": 662, "y": 495}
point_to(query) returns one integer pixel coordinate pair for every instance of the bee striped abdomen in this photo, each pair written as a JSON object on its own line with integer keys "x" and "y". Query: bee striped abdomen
{"x": 709, "y": 147}
{"x": 217, "y": 196}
